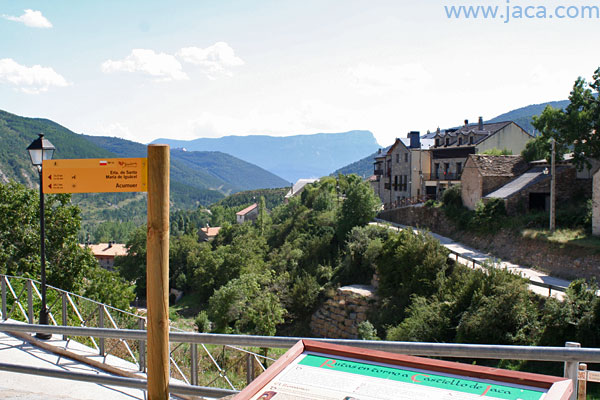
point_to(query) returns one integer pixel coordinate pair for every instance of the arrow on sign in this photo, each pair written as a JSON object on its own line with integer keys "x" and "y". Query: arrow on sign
{"x": 50, "y": 177}
{"x": 50, "y": 186}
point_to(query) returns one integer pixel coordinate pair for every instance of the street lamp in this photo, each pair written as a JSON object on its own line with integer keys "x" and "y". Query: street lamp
{"x": 39, "y": 150}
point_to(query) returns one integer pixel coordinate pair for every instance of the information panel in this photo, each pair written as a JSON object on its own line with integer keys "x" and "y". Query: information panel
{"x": 95, "y": 175}
{"x": 320, "y": 371}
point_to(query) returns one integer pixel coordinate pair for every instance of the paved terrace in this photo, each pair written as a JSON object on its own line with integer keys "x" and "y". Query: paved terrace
{"x": 14, "y": 350}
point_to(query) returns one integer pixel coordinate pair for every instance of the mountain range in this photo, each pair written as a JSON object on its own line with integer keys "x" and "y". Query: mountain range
{"x": 291, "y": 157}
{"x": 197, "y": 177}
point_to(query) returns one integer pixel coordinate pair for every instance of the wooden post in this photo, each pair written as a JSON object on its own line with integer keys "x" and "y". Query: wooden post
{"x": 157, "y": 272}
{"x": 582, "y": 382}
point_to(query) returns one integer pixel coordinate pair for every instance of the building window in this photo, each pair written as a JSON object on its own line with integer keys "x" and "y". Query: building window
{"x": 470, "y": 139}
{"x": 458, "y": 168}
{"x": 437, "y": 142}
{"x": 446, "y": 168}
{"x": 447, "y": 141}
{"x": 436, "y": 170}
{"x": 405, "y": 157}
{"x": 459, "y": 141}
{"x": 397, "y": 158}
{"x": 396, "y": 182}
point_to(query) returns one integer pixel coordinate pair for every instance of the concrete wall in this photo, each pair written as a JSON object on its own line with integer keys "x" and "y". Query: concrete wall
{"x": 421, "y": 167}
{"x": 471, "y": 184}
{"x": 511, "y": 137}
{"x": 596, "y": 205}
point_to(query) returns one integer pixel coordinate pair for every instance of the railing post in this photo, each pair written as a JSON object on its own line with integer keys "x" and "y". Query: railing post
{"x": 194, "y": 368}
{"x": 29, "y": 301}
{"x": 65, "y": 319}
{"x": 142, "y": 347}
{"x": 4, "y": 306}
{"x": 571, "y": 370}
{"x": 582, "y": 382}
{"x": 249, "y": 368}
{"x": 101, "y": 325}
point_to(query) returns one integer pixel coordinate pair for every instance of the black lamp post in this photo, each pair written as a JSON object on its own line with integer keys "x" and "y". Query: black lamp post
{"x": 41, "y": 149}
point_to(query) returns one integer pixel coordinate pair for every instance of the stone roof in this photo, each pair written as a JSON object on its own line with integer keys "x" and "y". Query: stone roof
{"x": 509, "y": 166}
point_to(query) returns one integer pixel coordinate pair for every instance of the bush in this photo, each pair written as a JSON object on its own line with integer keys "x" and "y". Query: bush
{"x": 366, "y": 331}
{"x": 452, "y": 197}
{"x": 202, "y": 322}
{"x": 429, "y": 203}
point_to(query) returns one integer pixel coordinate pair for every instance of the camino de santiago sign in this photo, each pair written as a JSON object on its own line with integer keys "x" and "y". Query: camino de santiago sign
{"x": 95, "y": 175}
{"x": 313, "y": 370}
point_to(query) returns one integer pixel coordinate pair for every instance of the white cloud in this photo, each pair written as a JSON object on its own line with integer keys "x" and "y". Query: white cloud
{"x": 30, "y": 80}
{"x": 378, "y": 79}
{"x": 115, "y": 129}
{"x": 213, "y": 60}
{"x": 31, "y": 18}
{"x": 164, "y": 67}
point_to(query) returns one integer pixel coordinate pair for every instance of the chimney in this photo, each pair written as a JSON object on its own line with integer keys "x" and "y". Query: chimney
{"x": 379, "y": 151}
{"x": 415, "y": 140}
{"x": 466, "y": 122}
{"x": 480, "y": 123}
{"x": 110, "y": 244}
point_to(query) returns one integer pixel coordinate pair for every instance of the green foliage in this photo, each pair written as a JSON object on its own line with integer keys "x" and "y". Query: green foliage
{"x": 133, "y": 266}
{"x": 362, "y": 250}
{"x": 366, "y": 331}
{"x": 359, "y": 207}
{"x": 497, "y": 152}
{"x": 410, "y": 264}
{"x": 273, "y": 198}
{"x": 537, "y": 149}
{"x": 426, "y": 321}
{"x": 202, "y": 322}
{"x": 66, "y": 261}
{"x": 577, "y": 318}
{"x": 575, "y": 128}
{"x": 246, "y": 305}
{"x": 452, "y": 197}
{"x": 490, "y": 212}
{"x": 108, "y": 287}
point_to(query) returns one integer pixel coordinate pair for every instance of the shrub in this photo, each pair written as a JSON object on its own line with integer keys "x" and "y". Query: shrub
{"x": 366, "y": 331}
{"x": 202, "y": 322}
{"x": 452, "y": 197}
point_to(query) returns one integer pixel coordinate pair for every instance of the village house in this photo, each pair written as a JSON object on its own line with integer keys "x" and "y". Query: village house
{"x": 208, "y": 233}
{"x": 399, "y": 172}
{"x": 249, "y": 213}
{"x": 105, "y": 253}
{"x": 297, "y": 188}
{"x": 452, "y": 147}
{"x": 482, "y": 174}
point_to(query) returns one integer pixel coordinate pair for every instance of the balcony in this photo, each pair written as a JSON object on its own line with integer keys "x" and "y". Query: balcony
{"x": 442, "y": 176}
{"x": 378, "y": 172}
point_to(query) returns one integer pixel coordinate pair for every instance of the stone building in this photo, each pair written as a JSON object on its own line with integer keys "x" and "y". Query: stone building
{"x": 452, "y": 147}
{"x": 105, "y": 253}
{"x": 596, "y": 204}
{"x": 399, "y": 172}
{"x": 249, "y": 213}
{"x": 531, "y": 190}
{"x": 482, "y": 174}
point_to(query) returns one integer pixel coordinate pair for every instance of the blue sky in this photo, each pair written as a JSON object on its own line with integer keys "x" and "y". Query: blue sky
{"x": 186, "y": 69}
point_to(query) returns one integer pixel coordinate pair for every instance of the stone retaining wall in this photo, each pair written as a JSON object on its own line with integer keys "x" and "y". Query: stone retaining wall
{"x": 339, "y": 316}
{"x": 564, "y": 261}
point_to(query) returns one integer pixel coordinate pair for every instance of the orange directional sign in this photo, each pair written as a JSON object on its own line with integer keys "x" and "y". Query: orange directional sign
{"x": 95, "y": 175}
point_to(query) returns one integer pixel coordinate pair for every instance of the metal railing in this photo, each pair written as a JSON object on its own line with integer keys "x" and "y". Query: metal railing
{"x": 21, "y": 296}
{"x": 571, "y": 355}
{"x": 405, "y": 202}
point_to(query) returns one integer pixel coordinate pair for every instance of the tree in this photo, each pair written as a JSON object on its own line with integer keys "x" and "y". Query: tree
{"x": 359, "y": 207}
{"x": 67, "y": 262}
{"x": 577, "y": 127}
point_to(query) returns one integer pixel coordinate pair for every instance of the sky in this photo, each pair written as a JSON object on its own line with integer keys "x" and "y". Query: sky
{"x": 143, "y": 70}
